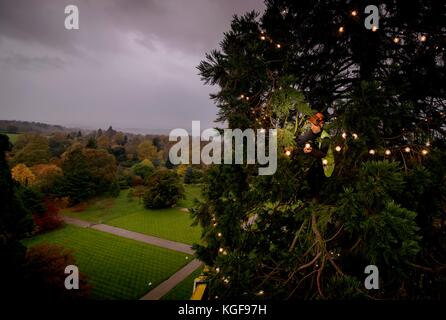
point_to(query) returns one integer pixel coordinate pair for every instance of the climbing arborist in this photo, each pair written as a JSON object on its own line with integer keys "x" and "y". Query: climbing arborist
{"x": 315, "y": 141}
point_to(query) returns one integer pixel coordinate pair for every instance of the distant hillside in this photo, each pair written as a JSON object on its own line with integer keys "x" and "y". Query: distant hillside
{"x": 13, "y": 126}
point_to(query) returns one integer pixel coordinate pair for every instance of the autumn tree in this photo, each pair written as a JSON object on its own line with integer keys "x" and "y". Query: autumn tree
{"x": 143, "y": 169}
{"x": 23, "y": 175}
{"x": 146, "y": 150}
{"x": 87, "y": 172}
{"x": 45, "y": 277}
{"x": 46, "y": 175}
{"x": 31, "y": 149}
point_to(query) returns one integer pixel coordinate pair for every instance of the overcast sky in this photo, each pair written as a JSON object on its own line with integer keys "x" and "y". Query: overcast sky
{"x": 132, "y": 63}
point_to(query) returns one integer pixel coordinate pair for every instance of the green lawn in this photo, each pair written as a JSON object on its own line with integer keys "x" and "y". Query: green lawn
{"x": 192, "y": 192}
{"x": 183, "y": 291}
{"x": 12, "y": 136}
{"x": 172, "y": 224}
{"x": 118, "y": 268}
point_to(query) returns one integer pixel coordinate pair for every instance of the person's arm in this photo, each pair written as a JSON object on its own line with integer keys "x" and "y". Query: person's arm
{"x": 322, "y": 152}
{"x": 304, "y": 137}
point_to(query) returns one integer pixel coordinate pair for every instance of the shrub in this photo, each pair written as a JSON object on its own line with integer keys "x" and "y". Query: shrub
{"x": 45, "y": 267}
{"x": 164, "y": 190}
{"x": 50, "y": 219}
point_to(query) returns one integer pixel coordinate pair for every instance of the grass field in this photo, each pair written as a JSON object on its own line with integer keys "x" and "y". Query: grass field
{"x": 183, "y": 291}
{"x": 117, "y": 268}
{"x": 12, "y": 136}
{"x": 192, "y": 192}
{"x": 172, "y": 224}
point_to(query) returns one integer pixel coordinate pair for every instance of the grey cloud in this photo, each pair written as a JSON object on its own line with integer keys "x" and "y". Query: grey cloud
{"x": 131, "y": 64}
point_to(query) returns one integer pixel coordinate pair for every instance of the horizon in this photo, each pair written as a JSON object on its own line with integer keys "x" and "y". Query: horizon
{"x": 136, "y": 62}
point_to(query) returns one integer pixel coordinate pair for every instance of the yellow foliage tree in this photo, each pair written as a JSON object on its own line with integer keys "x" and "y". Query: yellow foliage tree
{"x": 23, "y": 175}
{"x": 46, "y": 174}
{"x": 146, "y": 150}
{"x": 181, "y": 170}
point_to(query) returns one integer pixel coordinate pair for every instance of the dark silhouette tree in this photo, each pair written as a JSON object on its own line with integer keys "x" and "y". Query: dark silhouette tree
{"x": 298, "y": 234}
{"x": 15, "y": 224}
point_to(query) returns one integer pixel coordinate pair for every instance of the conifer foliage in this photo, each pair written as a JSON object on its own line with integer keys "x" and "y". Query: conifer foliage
{"x": 297, "y": 234}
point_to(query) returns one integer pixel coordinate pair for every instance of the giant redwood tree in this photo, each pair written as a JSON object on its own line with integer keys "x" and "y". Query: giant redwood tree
{"x": 298, "y": 234}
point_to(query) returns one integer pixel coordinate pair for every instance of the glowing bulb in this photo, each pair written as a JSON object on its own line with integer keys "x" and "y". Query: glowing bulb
{"x": 388, "y": 152}
{"x": 424, "y": 152}
{"x": 396, "y": 39}
{"x": 217, "y": 269}
{"x": 338, "y": 148}
{"x": 247, "y": 98}
{"x": 325, "y": 162}
{"x": 225, "y": 252}
{"x": 307, "y": 145}
{"x": 220, "y": 250}
{"x": 354, "y": 13}
{"x": 261, "y": 292}
{"x": 288, "y": 153}
{"x": 278, "y": 46}
{"x": 215, "y": 224}
{"x": 407, "y": 149}
{"x": 219, "y": 234}
{"x": 226, "y": 281}
{"x": 242, "y": 96}
{"x": 262, "y": 130}
{"x": 344, "y": 135}
{"x": 341, "y": 29}
{"x": 355, "y": 136}
{"x": 428, "y": 144}
{"x": 263, "y": 38}
{"x": 374, "y": 28}
{"x": 423, "y": 38}
{"x": 372, "y": 152}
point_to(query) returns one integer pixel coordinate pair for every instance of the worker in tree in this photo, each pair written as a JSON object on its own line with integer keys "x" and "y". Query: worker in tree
{"x": 315, "y": 141}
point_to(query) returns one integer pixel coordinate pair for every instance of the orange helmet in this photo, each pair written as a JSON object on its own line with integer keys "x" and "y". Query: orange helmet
{"x": 317, "y": 119}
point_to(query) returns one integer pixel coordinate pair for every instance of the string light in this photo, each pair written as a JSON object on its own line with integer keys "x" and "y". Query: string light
{"x": 325, "y": 162}
{"x": 225, "y": 252}
{"x": 217, "y": 269}
{"x": 288, "y": 153}
{"x": 428, "y": 144}
{"x": 341, "y": 29}
{"x": 424, "y": 152}
{"x": 262, "y": 38}
{"x": 423, "y": 38}
{"x": 344, "y": 135}
{"x": 396, "y": 39}
{"x": 278, "y": 46}
{"x": 355, "y": 136}
{"x": 261, "y": 292}
{"x": 307, "y": 145}
{"x": 354, "y": 13}
{"x": 407, "y": 149}
{"x": 372, "y": 152}
{"x": 338, "y": 148}
{"x": 387, "y": 152}
{"x": 221, "y": 250}
{"x": 374, "y": 28}
{"x": 219, "y": 234}
{"x": 242, "y": 96}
